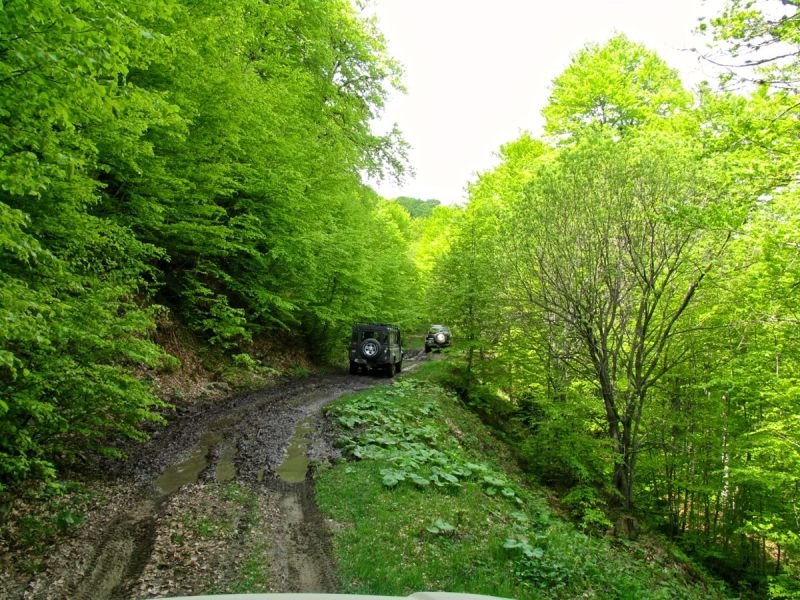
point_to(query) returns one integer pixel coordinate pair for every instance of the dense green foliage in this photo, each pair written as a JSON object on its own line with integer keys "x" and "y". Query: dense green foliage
{"x": 442, "y": 508}
{"x": 197, "y": 160}
{"x": 641, "y": 343}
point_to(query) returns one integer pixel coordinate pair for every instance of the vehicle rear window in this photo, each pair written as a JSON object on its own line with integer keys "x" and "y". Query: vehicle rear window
{"x": 378, "y": 335}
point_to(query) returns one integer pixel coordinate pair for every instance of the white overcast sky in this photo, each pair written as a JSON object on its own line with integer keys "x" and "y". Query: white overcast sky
{"x": 478, "y": 72}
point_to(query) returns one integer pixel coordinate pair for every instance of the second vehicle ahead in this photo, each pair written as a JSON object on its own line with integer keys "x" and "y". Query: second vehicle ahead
{"x": 438, "y": 337}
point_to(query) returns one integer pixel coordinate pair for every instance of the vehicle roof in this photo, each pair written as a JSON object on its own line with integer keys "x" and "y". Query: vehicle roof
{"x": 440, "y": 327}
{"x": 374, "y": 326}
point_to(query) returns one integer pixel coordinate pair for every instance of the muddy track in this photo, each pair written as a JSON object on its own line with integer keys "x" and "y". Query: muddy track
{"x": 262, "y": 442}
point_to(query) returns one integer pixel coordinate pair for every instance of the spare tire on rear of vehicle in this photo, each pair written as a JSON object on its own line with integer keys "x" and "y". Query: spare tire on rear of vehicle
{"x": 440, "y": 338}
{"x": 370, "y": 348}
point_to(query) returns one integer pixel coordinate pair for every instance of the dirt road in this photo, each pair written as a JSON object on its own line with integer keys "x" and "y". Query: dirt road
{"x": 207, "y": 503}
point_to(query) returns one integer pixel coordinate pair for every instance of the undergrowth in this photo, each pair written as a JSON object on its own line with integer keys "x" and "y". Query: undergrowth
{"x": 429, "y": 500}
{"x": 40, "y": 518}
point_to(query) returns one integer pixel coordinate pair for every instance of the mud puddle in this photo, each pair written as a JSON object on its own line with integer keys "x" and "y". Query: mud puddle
{"x": 187, "y": 471}
{"x": 294, "y": 467}
{"x": 226, "y": 465}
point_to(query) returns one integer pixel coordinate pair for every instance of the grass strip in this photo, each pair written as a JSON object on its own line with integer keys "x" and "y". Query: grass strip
{"x": 428, "y": 500}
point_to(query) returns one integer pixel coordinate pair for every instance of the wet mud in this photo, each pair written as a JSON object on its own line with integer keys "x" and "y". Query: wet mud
{"x": 262, "y": 442}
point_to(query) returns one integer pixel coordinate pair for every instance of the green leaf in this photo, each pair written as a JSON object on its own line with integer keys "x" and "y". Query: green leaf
{"x": 440, "y": 526}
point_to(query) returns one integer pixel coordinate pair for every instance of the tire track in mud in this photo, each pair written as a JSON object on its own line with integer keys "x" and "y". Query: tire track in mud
{"x": 243, "y": 439}
{"x": 121, "y": 555}
{"x": 304, "y": 562}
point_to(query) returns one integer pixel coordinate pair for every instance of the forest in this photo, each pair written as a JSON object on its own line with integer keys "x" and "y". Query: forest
{"x": 624, "y": 285}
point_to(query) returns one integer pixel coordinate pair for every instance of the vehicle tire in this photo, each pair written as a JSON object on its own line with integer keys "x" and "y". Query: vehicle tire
{"x": 440, "y": 338}
{"x": 400, "y": 365}
{"x": 427, "y": 348}
{"x": 390, "y": 370}
{"x": 353, "y": 368}
{"x": 370, "y": 348}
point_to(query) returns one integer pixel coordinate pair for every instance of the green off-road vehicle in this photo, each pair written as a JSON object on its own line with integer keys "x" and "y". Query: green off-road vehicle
{"x": 438, "y": 337}
{"x": 376, "y": 346}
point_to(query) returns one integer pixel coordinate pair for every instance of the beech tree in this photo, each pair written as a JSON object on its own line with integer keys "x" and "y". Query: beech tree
{"x": 614, "y": 268}
{"x": 619, "y": 84}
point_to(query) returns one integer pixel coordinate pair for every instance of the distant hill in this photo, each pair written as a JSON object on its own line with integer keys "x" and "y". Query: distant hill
{"x": 416, "y": 207}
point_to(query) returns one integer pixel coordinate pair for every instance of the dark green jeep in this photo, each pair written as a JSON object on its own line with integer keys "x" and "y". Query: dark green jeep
{"x": 376, "y": 346}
